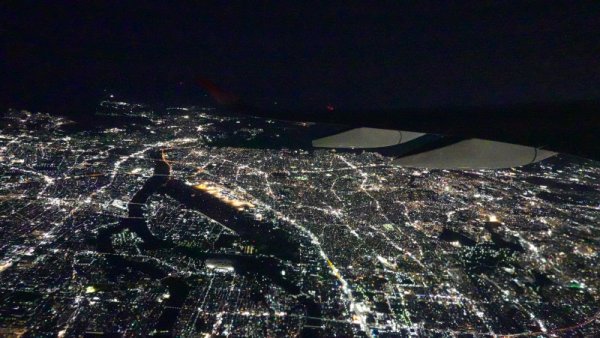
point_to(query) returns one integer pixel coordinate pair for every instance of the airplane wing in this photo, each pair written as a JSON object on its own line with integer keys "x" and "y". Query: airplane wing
{"x": 471, "y": 153}
{"x": 452, "y": 139}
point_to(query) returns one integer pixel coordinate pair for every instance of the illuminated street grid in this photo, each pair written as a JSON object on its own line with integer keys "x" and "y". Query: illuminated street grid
{"x": 335, "y": 243}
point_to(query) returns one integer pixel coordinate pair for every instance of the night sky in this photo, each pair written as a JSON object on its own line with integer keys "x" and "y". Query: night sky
{"x": 303, "y": 56}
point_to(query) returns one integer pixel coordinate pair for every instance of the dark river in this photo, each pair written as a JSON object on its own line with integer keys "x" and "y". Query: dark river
{"x": 273, "y": 243}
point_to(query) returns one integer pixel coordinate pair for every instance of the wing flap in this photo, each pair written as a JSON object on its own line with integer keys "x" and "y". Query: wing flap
{"x": 366, "y": 138}
{"x": 476, "y": 154}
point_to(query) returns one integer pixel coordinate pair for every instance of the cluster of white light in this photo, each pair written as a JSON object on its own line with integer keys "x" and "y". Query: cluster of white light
{"x": 224, "y": 195}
